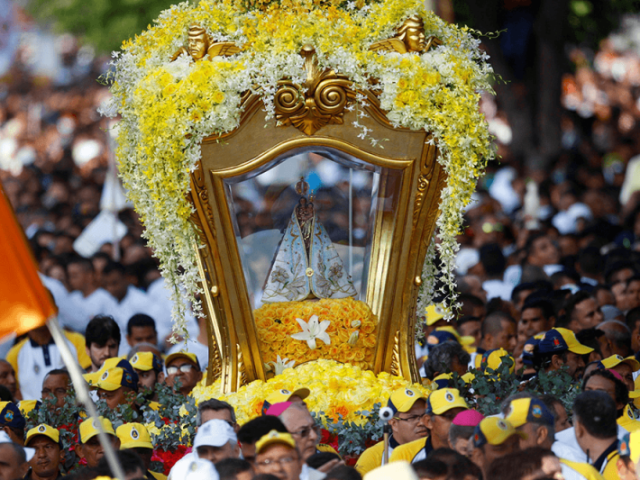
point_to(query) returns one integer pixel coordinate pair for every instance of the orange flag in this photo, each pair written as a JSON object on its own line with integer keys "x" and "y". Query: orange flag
{"x": 25, "y": 303}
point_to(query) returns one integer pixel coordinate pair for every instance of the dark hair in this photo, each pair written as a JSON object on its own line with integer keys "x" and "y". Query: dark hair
{"x": 5, "y": 394}
{"x": 84, "y": 262}
{"x": 492, "y": 259}
{"x": 82, "y": 473}
{"x": 467, "y": 319}
{"x": 140, "y": 320}
{"x": 441, "y": 357}
{"x": 255, "y": 429}
{"x": 597, "y": 413}
{"x": 343, "y": 472}
{"x": 265, "y": 476}
{"x": 616, "y": 267}
{"x": 550, "y": 402}
{"x": 319, "y": 459}
{"x": 230, "y": 467}
{"x": 57, "y": 371}
{"x": 20, "y": 453}
{"x": 460, "y": 431}
{"x": 589, "y": 337}
{"x": 215, "y": 405}
{"x": 590, "y": 261}
{"x": 101, "y": 329}
{"x": 518, "y": 289}
{"x": 575, "y": 299}
{"x": 545, "y": 306}
{"x": 113, "y": 267}
{"x": 622, "y": 392}
{"x": 493, "y": 322}
{"x": 518, "y": 465}
{"x": 468, "y": 298}
{"x": 430, "y": 468}
{"x": 129, "y": 460}
{"x": 632, "y": 318}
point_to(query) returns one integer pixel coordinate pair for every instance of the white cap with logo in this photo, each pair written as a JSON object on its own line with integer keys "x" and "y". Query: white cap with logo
{"x": 214, "y": 433}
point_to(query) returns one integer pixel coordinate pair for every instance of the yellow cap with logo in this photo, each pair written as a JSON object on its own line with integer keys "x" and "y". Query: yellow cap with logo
{"x": 403, "y": 399}
{"x": 615, "y": 360}
{"x": 189, "y": 356}
{"x": 44, "y": 430}
{"x": 133, "y": 435}
{"x": 443, "y": 400}
{"x": 525, "y": 410}
{"x": 275, "y": 437}
{"x": 492, "y": 359}
{"x": 89, "y": 428}
{"x": 146, "y": 361}
{"x": 117, "y": 377}
{"x": 494, "y": 431}
{"x": 284, "y": 395}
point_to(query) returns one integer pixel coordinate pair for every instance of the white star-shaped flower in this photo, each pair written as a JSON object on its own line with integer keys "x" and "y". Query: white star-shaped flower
{"x": 281, "y": 365}
{"x": 313, "y": 330}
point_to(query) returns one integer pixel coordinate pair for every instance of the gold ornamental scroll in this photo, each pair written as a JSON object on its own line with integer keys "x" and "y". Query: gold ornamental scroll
{"x": 401, "y": 234}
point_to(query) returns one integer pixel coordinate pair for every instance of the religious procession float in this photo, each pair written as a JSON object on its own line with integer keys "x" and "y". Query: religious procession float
{"x": 301, "y": 168}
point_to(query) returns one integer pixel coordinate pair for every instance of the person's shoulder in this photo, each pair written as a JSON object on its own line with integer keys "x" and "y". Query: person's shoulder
{"x": 12, "y": 355}
{"x": 583, "y": 469}
{"x": 157, "y": 476}
{"x": 407, "y": 451}
{"x": 371, "y": 458}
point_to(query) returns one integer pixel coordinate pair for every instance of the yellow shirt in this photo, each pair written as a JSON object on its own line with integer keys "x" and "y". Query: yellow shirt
{"x": 584, "y": 469}
{"x": 628, "y": 420}
{"x": 409, "y": 451}
{"x": 610, "y": 471}
{"x": 370, "y": 459}
{"x": 157, "y": 476}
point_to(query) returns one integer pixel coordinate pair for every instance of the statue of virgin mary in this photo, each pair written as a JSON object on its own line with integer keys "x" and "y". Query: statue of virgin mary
{"x": 306, "y": 264}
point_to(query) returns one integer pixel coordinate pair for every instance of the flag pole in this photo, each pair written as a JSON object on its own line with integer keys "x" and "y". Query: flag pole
{"x": 82, "y": 395}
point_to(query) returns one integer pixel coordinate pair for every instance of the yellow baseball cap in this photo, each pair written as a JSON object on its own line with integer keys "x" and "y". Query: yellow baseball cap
{"x": 117, "y": 377}
{"x": 146, "y": 361}
{"x": 89, "y": 429}
{"x": 494, "y": 431}
{"x": 443, "y": 400}
{"x": 403, "y": 399}
{"x": 190, "y": 356}
{"x": 525, "y": 410}
{"x": 275, "y": 437}
{"x": 43, "y": 429}
{"x": 27, "y": 406}
{"x": 108, "y": 364}
{"x": 558, "y": 340}
{"x": 133, "y": 435}
{"x": 493, "y": 359}
{"x": 434, "y": 313}
{"x": 462, "y": 340}
{"x": 615, "y": 360}
{"x": 284, "y": 395}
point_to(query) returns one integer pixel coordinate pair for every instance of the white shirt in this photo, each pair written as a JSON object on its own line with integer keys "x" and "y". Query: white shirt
{"x": 566, "y": 445}
{"x": 34, "y": 362}
{"x": 100, "y": 302}
{"x": 161, "y": 296}
{"x": 497, "y": 288}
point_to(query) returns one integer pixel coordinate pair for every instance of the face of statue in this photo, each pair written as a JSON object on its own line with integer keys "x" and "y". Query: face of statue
{"x": 198, "y": 45}
{"x": 416, "y": 41}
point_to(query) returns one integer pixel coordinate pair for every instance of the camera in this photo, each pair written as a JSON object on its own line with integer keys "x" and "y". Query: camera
{"x": 386, "y": 414}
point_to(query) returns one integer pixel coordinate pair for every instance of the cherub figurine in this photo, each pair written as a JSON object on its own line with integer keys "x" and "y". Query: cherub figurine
{"x": 410, "y": 38}
{"x": 200, "y": 45}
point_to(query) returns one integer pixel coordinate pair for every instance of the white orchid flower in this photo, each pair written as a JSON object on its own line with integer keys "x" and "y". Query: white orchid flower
{"x": 313, "y": 330}
{"x": 280, "y": 365}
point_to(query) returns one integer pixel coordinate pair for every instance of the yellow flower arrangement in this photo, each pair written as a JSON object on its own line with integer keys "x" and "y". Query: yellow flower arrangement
{"x": 336, "y": 389}
{"x": 276, "y": 323}
{"x": 167, "y": 108}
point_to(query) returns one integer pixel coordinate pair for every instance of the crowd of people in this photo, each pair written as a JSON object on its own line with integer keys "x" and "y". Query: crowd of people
{"x": 548, "y": 281}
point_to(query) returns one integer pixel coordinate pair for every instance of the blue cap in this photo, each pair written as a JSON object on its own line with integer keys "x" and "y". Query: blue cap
{"x": 440, "y": 336}
{"x": 558, "y": 340}
{"x": 10, "y": 415}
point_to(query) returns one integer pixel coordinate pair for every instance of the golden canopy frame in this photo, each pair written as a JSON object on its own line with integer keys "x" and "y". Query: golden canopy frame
{"x": 316, "y": 114}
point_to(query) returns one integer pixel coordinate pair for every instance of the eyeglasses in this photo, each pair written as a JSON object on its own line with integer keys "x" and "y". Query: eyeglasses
{"x": 410, "y": 419}
{"x": 306, "y": 431}
{"x": 186, "y": 368}
{"x": 280, "y": 461}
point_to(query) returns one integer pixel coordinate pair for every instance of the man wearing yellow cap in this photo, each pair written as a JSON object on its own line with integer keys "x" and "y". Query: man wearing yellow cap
{"x": 493, "y": 438}
{"x": 90, "y": 447}
{"x": 441, "y": 408}
{"x": 45, "y": 464}
{"x": 624, "y": 366}
{"x": 183, "y": 368}
{"x": 149, "y": 369}
{"x": 276, "y": 454}
{"x": 118, "y": 386}
{"x": 283, "y": 395}
{"x": 135, "y": 436}
{"x": 408, "y": 408}
{"x": 560, "y": 348}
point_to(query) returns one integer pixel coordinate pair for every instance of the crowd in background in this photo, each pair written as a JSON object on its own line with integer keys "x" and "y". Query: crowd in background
{"x": 548, "y": 275}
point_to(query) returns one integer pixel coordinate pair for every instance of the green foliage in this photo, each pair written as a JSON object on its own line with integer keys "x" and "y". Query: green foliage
{"x": 105, "y": 24}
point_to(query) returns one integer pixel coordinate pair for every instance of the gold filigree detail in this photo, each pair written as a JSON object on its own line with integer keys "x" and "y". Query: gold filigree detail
{"x": 214, "y": 359}
{"x": 200, "y": 45}
{"x": 395, "y": 368}
{"x": 320, "y": 101}
{"x": 426, "y": 173}
{"x": 410, "y": 37}
{"x": 242, "y": 372}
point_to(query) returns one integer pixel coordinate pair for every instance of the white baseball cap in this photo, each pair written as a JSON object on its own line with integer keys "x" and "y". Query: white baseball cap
{"x": 214, "y": 433}
{"x": 29, "y": 452}
{"x": 193, "y": 468}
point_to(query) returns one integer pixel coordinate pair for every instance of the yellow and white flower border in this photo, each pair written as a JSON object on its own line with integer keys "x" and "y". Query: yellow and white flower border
{"x": 167, "y": 108}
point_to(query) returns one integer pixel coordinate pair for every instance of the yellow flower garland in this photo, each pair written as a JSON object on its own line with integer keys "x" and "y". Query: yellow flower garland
{"x": 167, "y": 108}
{"x": 336, "y": 389}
